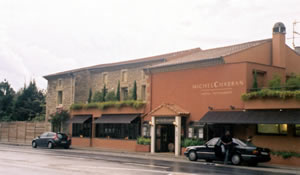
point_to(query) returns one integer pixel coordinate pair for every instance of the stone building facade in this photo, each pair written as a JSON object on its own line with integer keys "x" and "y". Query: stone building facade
{"x": 73, "y": 86}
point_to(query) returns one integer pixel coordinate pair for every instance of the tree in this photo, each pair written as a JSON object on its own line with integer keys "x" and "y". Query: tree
{"x": 104, "y": 92}
{"x": 90, "y": 96}
{"x": 255, "y": 85}
{"x": 58, "y": 119}
{"x": 118, "y": 92}
{"x": 7, "y": 95}
{"x": 134, "y": 95}
{"x": 29, "y": 103}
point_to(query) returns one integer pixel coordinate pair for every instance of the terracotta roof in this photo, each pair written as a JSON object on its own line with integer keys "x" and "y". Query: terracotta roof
{"x": 167, "y": 56}
{"x": 174, "y": 108}
{"x": 212, "y": 53}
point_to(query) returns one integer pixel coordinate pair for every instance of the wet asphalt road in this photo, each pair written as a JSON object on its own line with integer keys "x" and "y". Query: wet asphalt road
{"x": 15, "y": 160}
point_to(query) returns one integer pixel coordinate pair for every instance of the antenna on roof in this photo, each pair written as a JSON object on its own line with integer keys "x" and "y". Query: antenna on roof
{"x": 294, "y": 32}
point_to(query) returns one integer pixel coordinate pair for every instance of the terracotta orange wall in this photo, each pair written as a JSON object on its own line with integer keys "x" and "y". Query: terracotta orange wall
{"x": 82, "y": 142}
{"x": 177, "y": 88}
{"x": 116, "y": 144}
{"x": 270, "y": 72}
{"x": 292, "y": 61}
{"x": 259, "y": 54}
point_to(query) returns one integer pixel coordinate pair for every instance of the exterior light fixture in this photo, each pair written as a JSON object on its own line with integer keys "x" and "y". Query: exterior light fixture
{"x": 150, "y": 123}
{"x": 174, "y": 123}
{"x": 244, "y": 110}
{"x": 210, "y": 108}
{"x": 232, "y": 107}
{"x": 280, "y": 110}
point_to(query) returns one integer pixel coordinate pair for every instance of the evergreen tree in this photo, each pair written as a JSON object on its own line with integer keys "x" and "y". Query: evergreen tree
{"x": 90, "y": 96}
{"x": 29, "y": 103}
{"x": 255, "y": 85}
{"x": 118, "y": 92}
{"x": 104, "y": 92}
{"x": 134, "y": 95}
{"x": 6, "y": 100}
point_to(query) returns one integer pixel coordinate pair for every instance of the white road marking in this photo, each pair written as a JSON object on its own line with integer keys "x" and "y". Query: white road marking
{"x": 152, "y": 166}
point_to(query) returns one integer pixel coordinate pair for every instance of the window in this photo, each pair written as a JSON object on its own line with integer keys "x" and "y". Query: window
{"x": 104, "y": 78}
{"x": 59, "y": 84}
{"x": 195, "y": 132}
{"x": 143, "y": 93}
{"x": 124, "y": 76}
{"x": 124, "y": 92}
{"x": 272, "y": 129}
{"x": 59, "y": 97}
{"x": 82, "y": 129}
{"x": 143, "y": 75}
{"x": 297, "y": 130}
{"x": 118, "y": 131}
{"x": 146, "y": 130}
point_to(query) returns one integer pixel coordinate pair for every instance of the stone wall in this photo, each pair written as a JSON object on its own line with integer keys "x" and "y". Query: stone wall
{"x": 66, "y": 86}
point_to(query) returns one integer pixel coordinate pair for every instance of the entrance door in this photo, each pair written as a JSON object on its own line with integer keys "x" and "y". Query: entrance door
{"x": 165, "y": 138}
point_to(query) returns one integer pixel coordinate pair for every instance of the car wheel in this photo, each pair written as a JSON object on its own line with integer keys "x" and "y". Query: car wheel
{"x": 50, "y": 145}
{"x": 34, "y": 145}
{"x": 192, "y": 156}
{"x": 236, "y": 159}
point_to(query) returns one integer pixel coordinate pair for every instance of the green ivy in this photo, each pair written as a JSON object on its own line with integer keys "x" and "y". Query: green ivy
{"x": 268, "y": 93}
{"x": 104, "y": 105}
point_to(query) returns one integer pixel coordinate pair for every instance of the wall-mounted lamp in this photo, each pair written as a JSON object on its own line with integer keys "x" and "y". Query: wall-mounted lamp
{"x": 174, "y": 123}
{"x": 150, "y": 123}
{"x": 280, "y": 110}
{"x": 232, "y": 107}
{"x": 210, "y": 108}
{"x": 244, "y": 110}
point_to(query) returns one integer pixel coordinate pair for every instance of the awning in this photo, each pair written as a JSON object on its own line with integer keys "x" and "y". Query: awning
{"x": 80, "y": 119}
{"x": 252, "y": 117}
{"x": 116, "y": 118}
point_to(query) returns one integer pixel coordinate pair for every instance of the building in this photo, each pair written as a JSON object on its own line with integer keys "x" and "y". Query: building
{"x": 199, "y": 95}
{"x": 189, "y": 94}
{"x": 74, "y": 86}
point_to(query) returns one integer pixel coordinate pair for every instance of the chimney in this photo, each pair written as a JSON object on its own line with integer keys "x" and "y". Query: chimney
{"x": 278, "y": 45}
{"x": 297, "y": 50}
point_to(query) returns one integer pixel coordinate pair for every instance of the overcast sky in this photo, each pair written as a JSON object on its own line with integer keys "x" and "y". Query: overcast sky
{"x": 40, "y": 37}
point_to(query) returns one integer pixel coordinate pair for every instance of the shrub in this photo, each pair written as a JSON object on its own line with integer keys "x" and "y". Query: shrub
{"x": 143, "y": 141}
{"x": 275, "y": 83}
{"x": 108, "y": 104}
{"x": 285, "y": 154}
{"x": 110, "y": 96}
{"x": 293, "y": 83}
{"x": 77, "y": 106}
{"x": 98, "y": 96}
{"x": 192, "y": 142}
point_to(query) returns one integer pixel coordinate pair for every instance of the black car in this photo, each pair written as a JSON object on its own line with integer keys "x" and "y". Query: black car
{"x": 241, "y": 152}
{"x": 51, "y": 140}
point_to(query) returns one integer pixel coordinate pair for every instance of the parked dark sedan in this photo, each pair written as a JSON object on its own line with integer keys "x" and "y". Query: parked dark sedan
{"x": 241, "y": 152}
{"x": 51, "y": 140}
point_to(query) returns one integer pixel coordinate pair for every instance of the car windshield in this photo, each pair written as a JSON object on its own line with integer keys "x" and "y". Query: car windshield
{"x": 239, "y": 142}
{"x": 213, "y": 141}
{"x": 60, "y": 135}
